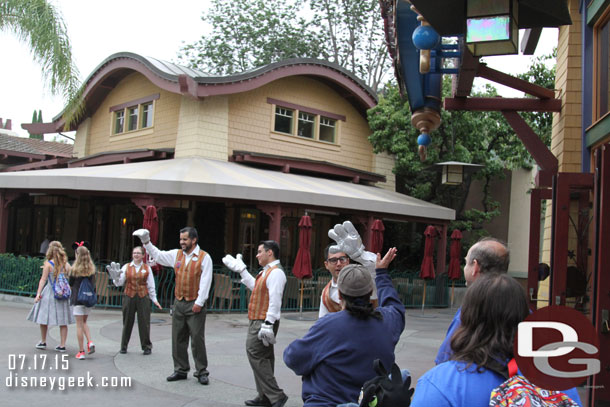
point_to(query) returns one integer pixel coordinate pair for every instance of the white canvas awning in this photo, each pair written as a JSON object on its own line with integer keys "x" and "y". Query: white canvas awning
{"x": 197, "y": 176}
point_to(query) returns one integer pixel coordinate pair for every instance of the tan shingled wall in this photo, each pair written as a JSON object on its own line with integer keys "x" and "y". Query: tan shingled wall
{"x": 250, "y": 120}
{"x": 384, "y": 164}
{"x": 165, "y": 119}
{"x": 566, "y": 136}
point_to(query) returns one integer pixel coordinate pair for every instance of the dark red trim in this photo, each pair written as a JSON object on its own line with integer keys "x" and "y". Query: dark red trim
{"x": 288, "y": 164}
{"x": 539, "y": 151}
{"x": 533, "y": 258}
{"x": 311, "y": 110}
{"x": 469, "y": 65}
{"x": 519, "y": 84}
{"x": 135, "y": 102}
{"x": 30, "y": 156}
{"x": 44, "y": 128}
{"x": 119, "y": 157}
{"x": 495, "y": 104}
{"x": 53, "y": 163}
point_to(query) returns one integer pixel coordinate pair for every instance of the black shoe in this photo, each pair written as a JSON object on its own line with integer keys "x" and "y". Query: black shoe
{"x": 176, "y": 376}
{"x": 204, "y": 380}
{"x": 123, "y": 350}
{"x": 280, "y": 402}
{"x": 146, "y": 351}
{"x": 258, "y": 401}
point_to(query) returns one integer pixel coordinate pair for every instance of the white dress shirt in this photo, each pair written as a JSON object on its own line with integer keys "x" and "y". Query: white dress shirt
{"x": 334, "y": 296}
{"x": 275, "y": 285}
{"x": 150, "y": 280}
{"x": 168, "y": 258}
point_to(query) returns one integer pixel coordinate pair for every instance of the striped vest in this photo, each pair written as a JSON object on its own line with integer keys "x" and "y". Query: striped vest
{"x": 135, "y": 283}
{"x": 188, "y": 276}
{"x": 330, "y": 305}
{"x": 259, "y": 299}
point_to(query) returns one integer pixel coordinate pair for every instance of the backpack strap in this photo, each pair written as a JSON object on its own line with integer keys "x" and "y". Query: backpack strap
{"x": 512, "y": 368}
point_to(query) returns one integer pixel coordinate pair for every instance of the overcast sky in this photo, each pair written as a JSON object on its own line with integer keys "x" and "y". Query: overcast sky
{"x": 154, "y": 28}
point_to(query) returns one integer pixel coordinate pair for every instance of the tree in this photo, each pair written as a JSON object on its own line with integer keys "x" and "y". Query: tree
{"x": 38, "y": 23}
{"x": 37, "y": 118}
{"x": 252, "y": 33}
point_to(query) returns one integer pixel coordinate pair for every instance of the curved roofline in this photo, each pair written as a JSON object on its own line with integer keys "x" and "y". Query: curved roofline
{"x": 199, "y": 84}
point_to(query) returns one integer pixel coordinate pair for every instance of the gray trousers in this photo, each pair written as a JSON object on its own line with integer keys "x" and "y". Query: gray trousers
{"x": 187, "y": 324}
{"x": 141, "y": 306}
{"x": 262, "y": 361}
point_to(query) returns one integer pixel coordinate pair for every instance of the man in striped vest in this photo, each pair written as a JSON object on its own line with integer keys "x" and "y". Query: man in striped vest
{"x": 193, "y": 270}
{"x": 334, "y": 263}
{"x": 264, "y": 315}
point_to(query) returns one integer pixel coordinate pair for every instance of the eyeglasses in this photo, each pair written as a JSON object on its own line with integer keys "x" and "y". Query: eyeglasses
{"x": 334, "y": 260}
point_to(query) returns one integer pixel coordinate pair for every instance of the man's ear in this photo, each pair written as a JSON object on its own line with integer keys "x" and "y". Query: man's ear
{"x": 476, "y": 268}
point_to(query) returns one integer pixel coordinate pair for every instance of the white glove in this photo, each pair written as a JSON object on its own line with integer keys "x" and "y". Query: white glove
{"x": 349, "y": 242}
{"x": 143, "y": 234}
{"x": 235, "y": 264}
{"x": 266, "y": 334}
{"x": 114, "y": 269}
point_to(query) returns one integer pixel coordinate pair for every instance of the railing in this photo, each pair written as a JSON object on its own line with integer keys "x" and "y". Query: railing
{"x": 20, "y": 276}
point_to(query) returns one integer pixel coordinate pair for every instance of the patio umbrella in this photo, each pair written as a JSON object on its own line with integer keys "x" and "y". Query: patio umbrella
{"x": 427, "y": 265}
{"x": 377, "y": 236}
{"x": 302, "y": 263}
{"x": 455, "y": 254}
{"x": 151, "y": 222}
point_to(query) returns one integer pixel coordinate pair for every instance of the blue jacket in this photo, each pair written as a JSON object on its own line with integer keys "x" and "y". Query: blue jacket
{"x": 336, "y": 355}
{"x": 450, "y": 384}
{"x": 445, "y": 352}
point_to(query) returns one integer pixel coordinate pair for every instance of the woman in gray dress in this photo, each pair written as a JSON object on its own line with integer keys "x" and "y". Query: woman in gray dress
{"x": 47, "y": 309}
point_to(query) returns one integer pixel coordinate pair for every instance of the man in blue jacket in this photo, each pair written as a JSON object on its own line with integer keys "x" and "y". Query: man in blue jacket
{"x": 336, "y": 355}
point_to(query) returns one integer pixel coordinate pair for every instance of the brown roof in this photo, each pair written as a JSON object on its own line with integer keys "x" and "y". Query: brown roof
{"x": 34, "y": 146}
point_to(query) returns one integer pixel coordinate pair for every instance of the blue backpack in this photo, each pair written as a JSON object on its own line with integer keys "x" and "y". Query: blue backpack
{"x": 61, "y": 287}
{"x": 86, "y": 293}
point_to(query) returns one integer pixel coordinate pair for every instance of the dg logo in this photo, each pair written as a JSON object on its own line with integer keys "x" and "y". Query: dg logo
{"x": 557, "y": 348}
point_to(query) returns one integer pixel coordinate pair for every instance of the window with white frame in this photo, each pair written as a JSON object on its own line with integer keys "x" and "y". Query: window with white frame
{"x": 310, "y": 123}
{"x": 134, "y": 115}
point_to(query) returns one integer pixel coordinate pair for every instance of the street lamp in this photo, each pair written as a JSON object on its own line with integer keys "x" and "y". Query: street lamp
{"x": 452, "y": 172}
{"x": 492, "y": 27}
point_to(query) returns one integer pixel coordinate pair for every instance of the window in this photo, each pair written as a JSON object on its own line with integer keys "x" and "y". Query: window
{"x": 283, "y": 120}
{"x": 119, "y": 121}
{"x": 133, "y": 118}
{"x": 306, "y": 125}
{"x": 134, "y": 115}
{"x": 327, "y": 129}
{"x": 603, "y": 66}
{"x": 312, "y": 124}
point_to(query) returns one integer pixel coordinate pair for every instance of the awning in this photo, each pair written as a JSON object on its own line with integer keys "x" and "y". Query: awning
{"x": 197, "y": 176}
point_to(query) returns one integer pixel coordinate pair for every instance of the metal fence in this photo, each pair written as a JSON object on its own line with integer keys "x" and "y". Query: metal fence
{"x": 20, "y": 275}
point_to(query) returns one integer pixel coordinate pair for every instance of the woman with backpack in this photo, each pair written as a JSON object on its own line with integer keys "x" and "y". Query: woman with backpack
{"x": 82, "y": 269}
{"x": 493, "y": 307}
{"x": 49, "y": 310}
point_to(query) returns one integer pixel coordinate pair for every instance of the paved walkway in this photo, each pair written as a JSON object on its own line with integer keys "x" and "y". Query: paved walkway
{"x": 231, "y": 380}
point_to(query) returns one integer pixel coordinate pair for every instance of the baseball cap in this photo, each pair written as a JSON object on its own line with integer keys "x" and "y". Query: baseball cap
{"x": 355, "y": 280}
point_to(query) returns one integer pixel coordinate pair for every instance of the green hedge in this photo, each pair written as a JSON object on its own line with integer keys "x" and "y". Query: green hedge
{"x": 19, "y": 274}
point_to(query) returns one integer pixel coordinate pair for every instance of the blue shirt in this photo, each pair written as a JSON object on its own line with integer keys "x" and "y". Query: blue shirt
{"x": 450, "y": 384}
{"x": 445, "y": 352}
{"x": 336, "y": 355}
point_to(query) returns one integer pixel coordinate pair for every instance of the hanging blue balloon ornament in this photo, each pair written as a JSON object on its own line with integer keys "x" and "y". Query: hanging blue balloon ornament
{"x": 424, "y": 139}
{"x": 425, "y": 37}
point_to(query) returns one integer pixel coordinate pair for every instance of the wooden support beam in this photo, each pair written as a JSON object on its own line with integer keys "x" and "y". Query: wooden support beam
{"x": 530, "y": 40}
{"x": 533, "y": 258}
{"x": 519, "y": 84}
{"x": 499, "y": 103}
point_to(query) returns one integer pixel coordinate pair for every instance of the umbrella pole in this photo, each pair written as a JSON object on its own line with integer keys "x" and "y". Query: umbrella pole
{"x": 301, "y": 302}
{"x": 452, "y": 286}
{"x": 423, "y": 300}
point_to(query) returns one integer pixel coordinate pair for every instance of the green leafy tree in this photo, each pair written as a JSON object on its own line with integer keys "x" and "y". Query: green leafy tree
{"x": 41, "y": 26}
{"x": 37, "y": 118}
{"x": 252, "y": 33}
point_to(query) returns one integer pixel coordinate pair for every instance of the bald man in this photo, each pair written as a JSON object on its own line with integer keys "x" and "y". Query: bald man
{"x": 485, "y": 256}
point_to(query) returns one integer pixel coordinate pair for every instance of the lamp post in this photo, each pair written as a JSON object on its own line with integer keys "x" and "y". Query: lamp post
{"x": 492, "y": 27}
{"x": 452, "y": 172}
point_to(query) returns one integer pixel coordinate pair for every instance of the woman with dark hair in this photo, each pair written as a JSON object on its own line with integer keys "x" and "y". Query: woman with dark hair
{"x": 493, "y": 307}
{"x": 336, "y": 355}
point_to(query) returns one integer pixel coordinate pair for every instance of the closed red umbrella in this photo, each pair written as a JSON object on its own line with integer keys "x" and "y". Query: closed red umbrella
{"x": 302, "y": 263}
{"x": 427, "y": 265}
{"x": 151, "y": 222}
{"x": 377, "y": 236}
{"x": 455, "y": 255}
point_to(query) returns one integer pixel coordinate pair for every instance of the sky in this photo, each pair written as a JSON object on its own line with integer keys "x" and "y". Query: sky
{"x": 155, "y": 28}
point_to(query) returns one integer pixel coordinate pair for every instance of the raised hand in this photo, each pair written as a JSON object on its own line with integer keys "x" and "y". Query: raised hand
{"x": 143, "y": 234}
{"x": 235, "y": 264}
{"x": 349, "y": 242}
{"x": 114, "y": 270}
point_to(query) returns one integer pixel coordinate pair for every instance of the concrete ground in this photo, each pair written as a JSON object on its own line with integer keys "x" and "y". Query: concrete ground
{"x": 231, "y": 380}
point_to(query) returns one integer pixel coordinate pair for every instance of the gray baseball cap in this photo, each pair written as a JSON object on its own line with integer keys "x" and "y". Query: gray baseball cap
{"x": 355, "y": 280}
